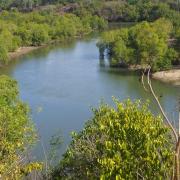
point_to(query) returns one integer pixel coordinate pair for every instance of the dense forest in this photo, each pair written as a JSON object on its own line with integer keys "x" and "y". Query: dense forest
{"x": 125, "y": 141}
{"x": 23, "y": 4}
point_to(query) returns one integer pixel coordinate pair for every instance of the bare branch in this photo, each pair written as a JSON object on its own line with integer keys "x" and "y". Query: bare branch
{"x": 160, "y": 107}
{"x": 45, "y": 156}
{"x": 142, "y": 80}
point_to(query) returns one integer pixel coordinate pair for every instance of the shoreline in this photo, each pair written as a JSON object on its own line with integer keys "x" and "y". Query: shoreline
{"x": 22, "y": 51}
{"x": 27, "y": 49}
{"x": 169, "y": 76}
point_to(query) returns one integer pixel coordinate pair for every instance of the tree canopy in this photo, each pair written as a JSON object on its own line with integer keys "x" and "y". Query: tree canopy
{"x": 143, "y": 44}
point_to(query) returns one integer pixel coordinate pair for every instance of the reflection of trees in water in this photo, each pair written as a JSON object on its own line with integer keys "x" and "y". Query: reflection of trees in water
{"x": 44, "y": 51}
{"x": 39, "y": 54}
{"x": 104, "y": 57}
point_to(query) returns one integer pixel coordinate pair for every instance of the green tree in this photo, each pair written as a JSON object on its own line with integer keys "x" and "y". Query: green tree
{"x": 143, "y": 44}
{"x": 17, "y": 133}
{"x": 9, "y": 41}
{"x": 122, "y": 54}
{"x": 3, "y": 55}
{"x": 122, "y": 142}
{"x": 39, "y": 34}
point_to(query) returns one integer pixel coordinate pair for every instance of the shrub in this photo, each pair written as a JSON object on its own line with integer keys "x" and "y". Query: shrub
{"x": 124, "y": 142}
{"x": 3, "y": 55}
{"x": 39, "y": 34}
{"x": 17, "y": 133}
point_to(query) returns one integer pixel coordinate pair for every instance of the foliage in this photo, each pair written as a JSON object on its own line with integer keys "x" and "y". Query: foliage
{"x": 39, "y": 34}
{"x": 143, "y": 44}
{"x": 119, "y": 143}
{"x": 3, "y": 55}
{"x": 178, "y": 35}
{"x": 132, "y": 11}
{"x": 17, "y": 133}
{"x": 9, "y": 41}
{"x": 38, "y": 28}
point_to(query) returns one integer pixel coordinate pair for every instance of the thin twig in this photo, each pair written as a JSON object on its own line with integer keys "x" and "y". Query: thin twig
{"x": 45, "y": 156}
{"x": 160, "y": 107}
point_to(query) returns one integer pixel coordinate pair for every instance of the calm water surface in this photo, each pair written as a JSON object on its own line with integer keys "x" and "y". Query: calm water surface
{"x": 62, "y": 83}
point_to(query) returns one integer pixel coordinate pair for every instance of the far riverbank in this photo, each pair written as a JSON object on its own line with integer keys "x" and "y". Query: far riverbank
{"x": 170, "y": 76}
{"x": 22, "y": 51}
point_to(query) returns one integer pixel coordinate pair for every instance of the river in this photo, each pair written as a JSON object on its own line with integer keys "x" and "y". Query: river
{"x": 62, "y": 82}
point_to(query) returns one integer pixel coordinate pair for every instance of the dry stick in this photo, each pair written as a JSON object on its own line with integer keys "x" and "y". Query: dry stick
{"x": 176, "y": 135}
{"x": 179, "y": 122}
{"x": 44, "y": 152}
{"x": 177, "y": 168}
{"x": 160, "y": 107}
{"x": 142, "y": 80}
{"x": 139, "y": 175}
{"x": 173, "y": 175}
{"x": 45, "y": 156}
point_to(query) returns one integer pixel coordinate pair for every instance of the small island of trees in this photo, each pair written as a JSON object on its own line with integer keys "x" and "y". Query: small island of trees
{"x": 143, "y": 44}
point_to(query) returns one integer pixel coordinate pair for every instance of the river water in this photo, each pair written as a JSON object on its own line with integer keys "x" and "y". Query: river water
{"x": 62, "y": 82}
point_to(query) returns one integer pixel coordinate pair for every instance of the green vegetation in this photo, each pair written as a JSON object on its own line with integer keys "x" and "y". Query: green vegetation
{"x": 26, "y": 4}
{"x": 112, "y": 10}
{"x": 17, "y": 132}
{"x": 37, "y": 28}
{"x": 71, "y": 18}
{"x": 143, "y": 44}
{"x": 132, "y": 11}
{"x": 125, "y": 142}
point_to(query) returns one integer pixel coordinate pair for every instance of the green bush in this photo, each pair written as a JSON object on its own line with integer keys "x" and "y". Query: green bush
{"x": 3, "y": 55}
{"x": 124, "y": 142}
{"x": 17, "y": 133}
{"x": 25, "y": 35}
{"x": 9, "y": 41}
{"x": 39, "y": 34}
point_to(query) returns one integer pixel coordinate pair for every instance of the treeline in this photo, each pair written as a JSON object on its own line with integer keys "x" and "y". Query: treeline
{"x": 30, "y": 4}
{"x": 37, "y": 28}
{"x": 145, "y": 44}
{"x": 132, "y": 10}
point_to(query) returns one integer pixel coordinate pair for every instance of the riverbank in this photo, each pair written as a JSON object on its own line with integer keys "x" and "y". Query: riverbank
{"x": 22, "y": 51}
{"x": 169, "y": 76}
